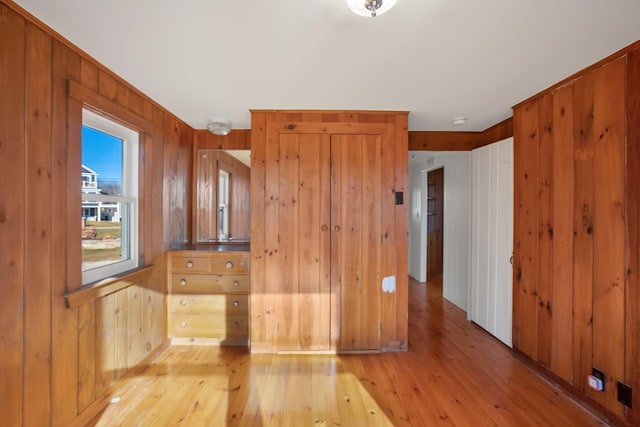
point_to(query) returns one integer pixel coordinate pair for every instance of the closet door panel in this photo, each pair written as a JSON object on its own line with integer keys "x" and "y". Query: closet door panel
{"x": 356, "y": 238}
{"x": 314, "y": 297}
{"x": 302, "y": 308}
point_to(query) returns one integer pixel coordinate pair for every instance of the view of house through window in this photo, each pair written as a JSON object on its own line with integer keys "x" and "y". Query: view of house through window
{"x": 109, "y": 197}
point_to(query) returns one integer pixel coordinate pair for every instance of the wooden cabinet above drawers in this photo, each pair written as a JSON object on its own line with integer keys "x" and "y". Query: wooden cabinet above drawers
{"x": 208, "y": 296}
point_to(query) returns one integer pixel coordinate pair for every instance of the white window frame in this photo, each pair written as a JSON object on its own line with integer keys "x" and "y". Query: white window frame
{"x": 129, "y": 233}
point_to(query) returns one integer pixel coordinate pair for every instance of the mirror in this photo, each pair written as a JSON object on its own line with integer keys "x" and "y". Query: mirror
{"x": 222, "y": 182}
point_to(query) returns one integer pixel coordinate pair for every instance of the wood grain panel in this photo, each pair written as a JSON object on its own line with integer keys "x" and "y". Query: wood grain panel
{"x": 632, "y": 374}
{"x": 12, "y": 213}
{"x": 121, "y": 335}
{"x": 135, "y": 325}
{"x": 288, "y": 244}
{"x": 371, "y": 197}
{"x": 238, "y": 139}
{"x": 107, "y": 85}
{"x": 86, "y": 355}
{"x": 347, "y": 228}
{"x": 206, "y": 212}
{"x": 89, "y": 74}
{"x": 459, "y": 141}
{"x": 64, "y": 322}
{"x": 562, "y": 277}
{"x": 392, "y": 240}
{"x": 258, "y": 248}
{"x": 105, "y": 344}
{"x": 37, "y": 293}
{"x": 313, "y": 211}
{"x": 444, "y": 140}
{"x": 518, "y": 181}
{"x": 400, "y": 165}
{"x": 526, "y": 229}
{"x": 498, "y": 132}
{"x": 544, "y": 229}
{"x": 609, "y": 229}
{"x": 583, "y": 231}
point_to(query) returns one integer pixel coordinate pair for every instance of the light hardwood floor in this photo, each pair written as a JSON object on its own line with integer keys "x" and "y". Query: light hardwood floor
{"x": 453, "y": 374}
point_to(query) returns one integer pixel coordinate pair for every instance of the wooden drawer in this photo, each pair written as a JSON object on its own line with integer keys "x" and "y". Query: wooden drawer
{"x": 189, "y": 264}
{"x": 209, "y": 284}
{"x": 225, "y": 305}
{"x": 230, "y": 263}
{"x": 208, "y": 326}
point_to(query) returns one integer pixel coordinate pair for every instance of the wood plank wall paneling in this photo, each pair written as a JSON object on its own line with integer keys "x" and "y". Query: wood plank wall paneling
{"x": 582, "y": 337}
{"x": 577, "y": 230}
{"x": 561, "y": 230}
{"x": 64, "y": 322}
{"x": 609, "y": 228}
{"x": 12, "y": 213}
{"x": 401, "y": 167}
{"x": 632, "y": 311}
{"x": 57, "y": 361}
{"x": 177, "y": 181}
{"x": 238, "y": 139}
{"x": 526, "y": 240}
{"x": 38, "y": 240}
{"x": 459, "y": 141}
{"x": 544, "y": 231}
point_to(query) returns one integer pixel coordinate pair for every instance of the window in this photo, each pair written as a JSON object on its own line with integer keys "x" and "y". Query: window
{"x": 223, "y": 205}
{"x": 109, "y": 198}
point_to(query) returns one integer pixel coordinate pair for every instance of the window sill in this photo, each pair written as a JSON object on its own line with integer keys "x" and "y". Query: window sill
{"x": 106, "y": 287}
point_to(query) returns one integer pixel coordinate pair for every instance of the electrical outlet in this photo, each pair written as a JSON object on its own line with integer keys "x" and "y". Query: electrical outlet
{"x": 625, "y": 395}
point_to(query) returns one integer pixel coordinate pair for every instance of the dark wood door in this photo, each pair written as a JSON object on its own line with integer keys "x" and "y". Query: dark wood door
{"x": 435, "y": 222}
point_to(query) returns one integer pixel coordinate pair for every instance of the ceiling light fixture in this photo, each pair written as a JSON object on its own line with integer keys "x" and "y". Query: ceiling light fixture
{"x": 219, "y": 126}
{"x": 370, "y": 7}
{"x": 459, "y": 121}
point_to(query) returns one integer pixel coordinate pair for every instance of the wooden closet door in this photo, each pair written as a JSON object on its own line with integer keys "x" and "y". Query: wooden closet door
{"x": 357, "y": 237}
{"x": 298, "y": 226}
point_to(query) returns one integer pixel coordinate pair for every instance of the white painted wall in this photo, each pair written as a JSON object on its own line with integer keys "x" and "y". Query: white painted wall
{"x": 492, "y": 239}
{"x": 457, "y": 220}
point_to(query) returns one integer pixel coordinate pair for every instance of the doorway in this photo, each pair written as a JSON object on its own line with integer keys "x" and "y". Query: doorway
{"x": 435, "y": 224}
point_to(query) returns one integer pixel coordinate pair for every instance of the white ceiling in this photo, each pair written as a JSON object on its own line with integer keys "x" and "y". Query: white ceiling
{"x": 438, "y": 59}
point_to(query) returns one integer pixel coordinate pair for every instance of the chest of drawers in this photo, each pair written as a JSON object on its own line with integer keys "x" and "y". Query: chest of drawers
{"x": 208, "y": 296}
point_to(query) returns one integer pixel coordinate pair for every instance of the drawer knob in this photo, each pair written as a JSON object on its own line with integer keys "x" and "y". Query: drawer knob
{"x": 236, "y": 324}
{"x": 183, "y": 324}
{"x": 183, "y": 301}
{"x": 236, "y": 303}
{"x": 189, "y": 264}
{"x": 183, "y": 282}
{"x": 236, "y": 283}
{"x": 229, "y": 264}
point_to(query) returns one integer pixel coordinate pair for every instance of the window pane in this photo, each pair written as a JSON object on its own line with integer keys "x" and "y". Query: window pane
{"x": 101, "y": 162}
{"x": 104, "y": 241}
{"x": 109, "y": 187}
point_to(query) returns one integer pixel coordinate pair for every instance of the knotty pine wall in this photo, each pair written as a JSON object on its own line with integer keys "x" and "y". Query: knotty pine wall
{"x": 577, "y": 225}
{"x": 56, "y": 363}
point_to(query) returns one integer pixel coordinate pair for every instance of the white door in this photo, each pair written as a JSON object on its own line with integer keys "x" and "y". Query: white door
{"x": 492, "y": 238}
